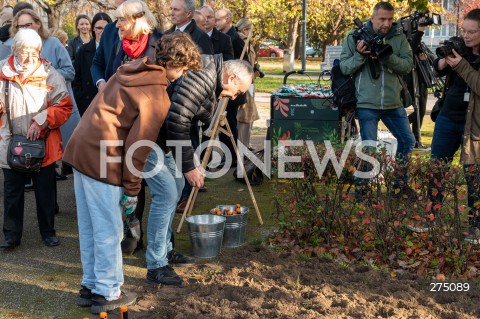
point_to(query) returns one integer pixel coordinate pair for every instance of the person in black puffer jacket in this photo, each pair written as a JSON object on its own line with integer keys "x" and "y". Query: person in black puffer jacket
{"x": 192, "y": 99}
{"x": 192, "y": 96}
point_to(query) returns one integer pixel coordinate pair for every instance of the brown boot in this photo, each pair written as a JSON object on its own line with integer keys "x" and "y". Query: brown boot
{"x": 181, "y": 205}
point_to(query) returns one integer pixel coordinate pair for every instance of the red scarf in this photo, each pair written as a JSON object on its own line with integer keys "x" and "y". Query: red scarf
{"x": 135, "y": 48}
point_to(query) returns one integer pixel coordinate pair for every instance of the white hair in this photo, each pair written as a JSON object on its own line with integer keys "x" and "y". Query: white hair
{"x": 139, "y": 15}
{"x": 27, "y": 38}
{"x": 241, "y": 68}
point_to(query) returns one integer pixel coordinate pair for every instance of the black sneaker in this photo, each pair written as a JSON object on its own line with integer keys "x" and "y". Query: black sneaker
{"x": 85, "y": 298}
{"x": 164, "y": 275}
{"x": 473, "y": 236}
{"x": 29, "y": 186}
{"x": 421, "y": 227}
{"x": 100, "y": 304}
{"x": 179, "y": 260}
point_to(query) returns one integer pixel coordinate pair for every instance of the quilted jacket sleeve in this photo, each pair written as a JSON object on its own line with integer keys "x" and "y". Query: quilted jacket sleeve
{"x": 192, "y": 100}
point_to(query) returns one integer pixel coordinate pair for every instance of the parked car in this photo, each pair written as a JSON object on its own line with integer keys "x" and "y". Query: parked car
{"x": 269, "y": 51}
{"x": 310, "y": 51}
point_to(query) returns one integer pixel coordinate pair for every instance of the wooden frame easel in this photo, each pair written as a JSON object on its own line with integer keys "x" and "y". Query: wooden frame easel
{"x": 219, "y": 120}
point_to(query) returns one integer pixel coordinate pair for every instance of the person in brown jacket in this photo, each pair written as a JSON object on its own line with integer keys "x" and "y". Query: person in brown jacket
{"x": 458, "y": 123}
{"x": 108, "y": 152}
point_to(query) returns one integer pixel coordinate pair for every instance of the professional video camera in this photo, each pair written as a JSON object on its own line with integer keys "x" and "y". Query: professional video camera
{"x": 411, "y": 23}
{"x": 374, "y": 42}
{"x": 456, "y": 43}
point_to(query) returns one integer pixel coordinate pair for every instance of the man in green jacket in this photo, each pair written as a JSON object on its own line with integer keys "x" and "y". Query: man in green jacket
{"x": 378, "y": 93}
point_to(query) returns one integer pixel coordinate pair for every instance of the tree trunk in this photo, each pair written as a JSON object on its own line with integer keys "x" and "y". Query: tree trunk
{"x": 54, "y": 20}
{"x": 292, "y": 34}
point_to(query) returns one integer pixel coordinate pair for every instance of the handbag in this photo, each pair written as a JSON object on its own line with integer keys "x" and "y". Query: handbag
{"x": 437, "y": 107}
{"x": 439, "y": 103}
{"x": 23, "y": 155}
{"x": 405, "y": 94}
{"x": 254, "y": 174}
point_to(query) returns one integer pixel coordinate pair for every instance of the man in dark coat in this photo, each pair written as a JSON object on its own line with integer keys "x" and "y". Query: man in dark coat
{"x": 221, "y": 42}
{"x": 181, "y": 13}
{"x": 103, "y": 55}
{"x": 223, "y": 22}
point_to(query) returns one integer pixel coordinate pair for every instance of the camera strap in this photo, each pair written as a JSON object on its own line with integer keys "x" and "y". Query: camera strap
{"x": 448, "y": 79}
{"x": 375, "y": 67}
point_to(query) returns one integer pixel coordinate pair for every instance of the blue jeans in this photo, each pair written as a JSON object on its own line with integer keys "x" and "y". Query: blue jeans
{"x": 165, "y": 190}
{"x": 396, "y": 121}
{"x": 100, "y": 230}
{"x": 447, "y": 139}
{"x": 195, "y": 138}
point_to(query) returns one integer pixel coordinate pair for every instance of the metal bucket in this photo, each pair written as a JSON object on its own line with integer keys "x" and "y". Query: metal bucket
{"x": 235, "y": 226}
{"x": 206, "y": 233}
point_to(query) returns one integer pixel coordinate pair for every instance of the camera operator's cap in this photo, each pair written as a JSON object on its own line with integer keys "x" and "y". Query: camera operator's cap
{"x": 244, "y": 24}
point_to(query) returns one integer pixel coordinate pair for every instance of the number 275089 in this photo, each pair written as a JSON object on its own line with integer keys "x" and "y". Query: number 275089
{"x": 449, "y": 286}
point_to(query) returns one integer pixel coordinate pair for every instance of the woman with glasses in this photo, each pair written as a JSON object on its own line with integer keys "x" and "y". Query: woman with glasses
{"x": 458, "y": 123}
{"x": 84, "y": 89}
{"x": 54, "y": 52}
{"x": 83, "y": 25}
{"x": 38, "y": 104}
{"x": 138, "y": 37}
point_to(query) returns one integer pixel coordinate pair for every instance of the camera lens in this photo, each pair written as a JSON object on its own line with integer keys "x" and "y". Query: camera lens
{"x": 443, "y": 51}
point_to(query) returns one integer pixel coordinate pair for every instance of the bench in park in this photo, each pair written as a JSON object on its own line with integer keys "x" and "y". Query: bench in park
{"x": 332, "y": 52}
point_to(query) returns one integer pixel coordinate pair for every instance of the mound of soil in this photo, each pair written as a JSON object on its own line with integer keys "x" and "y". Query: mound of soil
{"x": 258, "y": 282}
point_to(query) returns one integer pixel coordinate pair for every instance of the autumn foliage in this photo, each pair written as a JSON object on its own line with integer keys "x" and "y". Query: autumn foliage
{"x": 320, "y": 216}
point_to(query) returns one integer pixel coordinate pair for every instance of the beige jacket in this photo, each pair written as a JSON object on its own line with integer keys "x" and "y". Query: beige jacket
{"x": 40, "y": 97}
{"x": 248, "y": 113}
{"x": 471, "y": 141}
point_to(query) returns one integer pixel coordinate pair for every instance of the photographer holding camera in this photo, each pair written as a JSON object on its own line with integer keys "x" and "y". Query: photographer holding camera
{"x": 377, "y": 54}
{"x": 458, "y": 122}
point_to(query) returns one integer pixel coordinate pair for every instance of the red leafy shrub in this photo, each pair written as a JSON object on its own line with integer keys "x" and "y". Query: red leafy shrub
{"x": 321, "y": 213}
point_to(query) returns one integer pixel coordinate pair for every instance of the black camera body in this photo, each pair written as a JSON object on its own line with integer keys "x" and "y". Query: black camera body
{"x": 430, "y": 18}
{"x": 456, "y": 43}
{"x": 411, "y": 23}
{"x": 373, "y": 42}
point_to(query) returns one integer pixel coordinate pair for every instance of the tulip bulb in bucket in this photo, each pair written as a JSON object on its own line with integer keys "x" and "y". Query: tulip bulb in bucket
{"x": 235, "y": 225}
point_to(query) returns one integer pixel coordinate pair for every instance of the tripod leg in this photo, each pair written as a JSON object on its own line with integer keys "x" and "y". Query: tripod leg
{"x": 416, "y": 100}
{"x": 240, "y": 162}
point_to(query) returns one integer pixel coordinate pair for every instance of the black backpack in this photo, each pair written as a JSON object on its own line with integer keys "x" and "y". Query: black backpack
{"x": 343, "y": 89}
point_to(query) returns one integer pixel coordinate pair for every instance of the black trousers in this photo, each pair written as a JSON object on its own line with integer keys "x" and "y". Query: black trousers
{"x": 422, "y": 104}
{"x": 232, "y": 122}
{"x": 14, "y": 200}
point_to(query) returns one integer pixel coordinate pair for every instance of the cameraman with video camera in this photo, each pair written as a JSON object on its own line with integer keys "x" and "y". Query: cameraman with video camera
{"x": 458, "y": 122}
{"x": 376, "y": 55}
{"x": 415, "y": 41}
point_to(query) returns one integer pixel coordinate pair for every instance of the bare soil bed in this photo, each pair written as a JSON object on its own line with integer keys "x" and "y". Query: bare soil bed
{"x": 255, "y": 281}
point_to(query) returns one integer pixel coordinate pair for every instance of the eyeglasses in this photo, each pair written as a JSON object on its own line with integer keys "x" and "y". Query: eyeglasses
{"x": 99, "y": 28}
{"x": 25, "y": 54}
{"x": 468, "y": 32}
{"x": 25, "y": 26}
